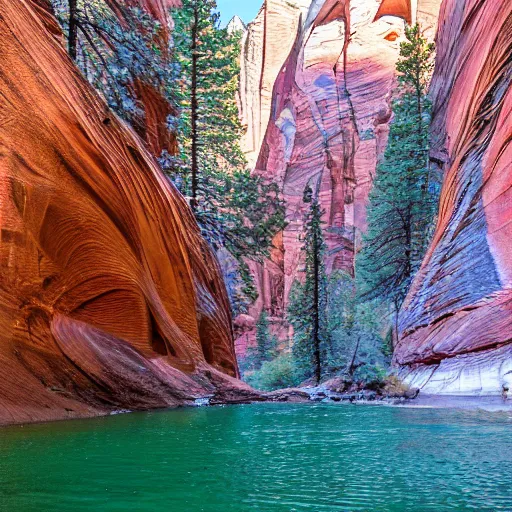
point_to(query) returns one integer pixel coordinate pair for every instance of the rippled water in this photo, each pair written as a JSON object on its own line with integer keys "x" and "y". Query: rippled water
{"x": 268, "y": 457}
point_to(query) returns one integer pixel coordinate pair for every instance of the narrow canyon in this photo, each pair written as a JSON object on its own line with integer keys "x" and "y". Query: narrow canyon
{"x": 316, "y": 91}
{"x": 317, "y": 83}
{"x": 110, "y": 297}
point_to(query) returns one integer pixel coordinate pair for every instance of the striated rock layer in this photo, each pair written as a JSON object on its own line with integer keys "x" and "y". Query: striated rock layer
{"x": 109, "y": 297}
{"x": 330, "y": 65}
{"x": 456, "y": 324}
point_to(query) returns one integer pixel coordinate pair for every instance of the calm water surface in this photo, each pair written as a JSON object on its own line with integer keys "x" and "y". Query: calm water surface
{"x": 268, "y": 457}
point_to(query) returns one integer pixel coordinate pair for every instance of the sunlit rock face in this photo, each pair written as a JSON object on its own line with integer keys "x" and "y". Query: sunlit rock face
{"x": 265, "y": 47}
{"x": 109, "y": 297}
{"x": 327, "y": 72}
{"x": 236, "y": 25}
{"x": 456, "y": 324}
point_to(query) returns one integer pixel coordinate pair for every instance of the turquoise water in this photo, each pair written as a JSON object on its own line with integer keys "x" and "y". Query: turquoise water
{"x": 267, "y": 457}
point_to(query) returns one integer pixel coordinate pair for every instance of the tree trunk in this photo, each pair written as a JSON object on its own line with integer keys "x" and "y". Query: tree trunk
{"x": 408, "y": 245}
{"x": 316, "y": 310}
{"x": 194, "y": 109}
{"x": 397, "y": 311}
{"x": 352, "y": 367}
{"x": 73, "y": 29}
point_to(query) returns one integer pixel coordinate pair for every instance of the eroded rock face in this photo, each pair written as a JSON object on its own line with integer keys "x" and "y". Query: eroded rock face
{"x": 456, "y": 324}
{"x": 109, "y": 297}
{"x": 331, "y": 69}
{"x": 265, "y": 47}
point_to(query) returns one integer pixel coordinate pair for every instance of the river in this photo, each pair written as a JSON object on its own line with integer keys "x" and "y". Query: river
{"x": 263, "y": 457}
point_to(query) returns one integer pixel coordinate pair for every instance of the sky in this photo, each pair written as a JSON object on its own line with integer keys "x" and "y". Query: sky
{"x": 246, "y": 9}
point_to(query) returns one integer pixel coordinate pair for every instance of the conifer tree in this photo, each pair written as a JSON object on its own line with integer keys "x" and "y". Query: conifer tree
{"x": 266, "y": 344}
{"x": 112, "y": 54}
{"x": 307, "y": 311}
{"x": 206, "y": 90}
{"x": 235, "y": 210}
{"x": 403, "y": 199}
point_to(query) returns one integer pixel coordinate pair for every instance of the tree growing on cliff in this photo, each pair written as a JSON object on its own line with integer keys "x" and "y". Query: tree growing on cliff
{"x": 403, "y": 199}
{"x": 235, "y": 209}
{"x": 120, "y": 49}
{"x": 307, "y": 311}
{"x": 114, "y": 50}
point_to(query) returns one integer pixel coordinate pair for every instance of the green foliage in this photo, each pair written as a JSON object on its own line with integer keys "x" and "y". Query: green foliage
{"x": 112, "y": 55}
{"x": 279, "y": 373}
{"x": 235, "y": 210}
{"x": 404, "y": 197}
{"x": 387, "y": 347}
{"x": 216, "y": 81}
{"x": 415, "y": 65}
{"x": 369, "y": 374}
{"x": 354, "y": 327}
{"x": 355, "y": 347}
{"x": 266, "y": 345}
{"x": 307, "y": 311}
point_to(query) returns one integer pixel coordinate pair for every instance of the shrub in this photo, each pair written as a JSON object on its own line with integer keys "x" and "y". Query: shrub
{"x": 279, "y": 373}
{"x": 370, "y": 373}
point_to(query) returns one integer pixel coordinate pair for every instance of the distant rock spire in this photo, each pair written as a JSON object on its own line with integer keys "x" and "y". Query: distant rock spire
{"x": 236, "y": 25}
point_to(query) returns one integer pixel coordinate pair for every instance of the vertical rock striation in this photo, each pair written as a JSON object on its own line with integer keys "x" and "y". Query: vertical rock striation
{"x": 456, "y": 324}
{"x": 109, "y": 297}
{"x": 265, "y": 47}
{"x": 330, "y": 66}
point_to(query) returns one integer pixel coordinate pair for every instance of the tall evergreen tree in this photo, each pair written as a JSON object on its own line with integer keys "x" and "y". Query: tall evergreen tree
{"x": 307, "y": 311}
{"x": 206, "y": 89}
{"x": 403, "y": 199}
{"x": 235, "y": 210}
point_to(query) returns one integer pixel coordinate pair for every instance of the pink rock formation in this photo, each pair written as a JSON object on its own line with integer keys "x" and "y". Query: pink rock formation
{"x": 265, "y": 47}
{"x": 109, "y": 297}
{"x": 456, "y": 324}
{"x": 331, "y": 69}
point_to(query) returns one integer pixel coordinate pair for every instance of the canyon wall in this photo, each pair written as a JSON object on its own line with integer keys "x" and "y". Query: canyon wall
{"x": 456, "y": 324}
{"x": 316, "y": 88}
{"x": 265, "y": 47}
{"x": 109, "y": 297}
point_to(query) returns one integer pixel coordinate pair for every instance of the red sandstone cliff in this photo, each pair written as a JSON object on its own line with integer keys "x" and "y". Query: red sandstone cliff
{"x": 330, "y": 65}
{"x": 456, "y": 325}
{"x": 109, "y": 297}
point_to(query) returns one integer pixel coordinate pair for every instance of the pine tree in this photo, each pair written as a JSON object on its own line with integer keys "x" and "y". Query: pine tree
{"x": 307, "y": 311}
{"x": 403, "y": 199}
{"x": 206, "y": 89}
{"x": 266, "y": 344}
{"x": 236, "y": 210}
